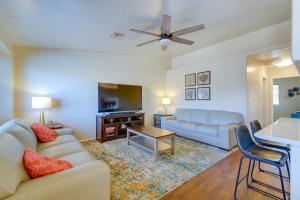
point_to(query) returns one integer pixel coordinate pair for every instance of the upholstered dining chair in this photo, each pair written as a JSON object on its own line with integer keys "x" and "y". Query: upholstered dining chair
{"x": 256, "y": 126}
{"x": 256, "y": 153}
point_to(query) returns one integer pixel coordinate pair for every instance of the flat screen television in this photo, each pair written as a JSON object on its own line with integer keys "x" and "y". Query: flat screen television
{"x": 119, "y": 97}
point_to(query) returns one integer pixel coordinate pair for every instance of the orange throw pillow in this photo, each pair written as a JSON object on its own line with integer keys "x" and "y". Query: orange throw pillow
{"x": 43, "y": 133}
{"x": 38, "y": 165}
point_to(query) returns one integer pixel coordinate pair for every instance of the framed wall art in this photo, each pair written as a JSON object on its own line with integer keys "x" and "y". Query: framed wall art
{"x": 203, "y": 93}
{"x": 190, "y": 94}
{"x": 190, "y": 80}
{"x": 203, "y": 78}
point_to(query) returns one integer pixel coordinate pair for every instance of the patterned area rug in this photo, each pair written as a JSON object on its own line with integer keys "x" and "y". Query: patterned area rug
{"x": 136, "y": 175}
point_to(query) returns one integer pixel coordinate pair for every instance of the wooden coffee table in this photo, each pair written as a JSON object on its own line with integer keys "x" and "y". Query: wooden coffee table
{"x": 150, "y": 139}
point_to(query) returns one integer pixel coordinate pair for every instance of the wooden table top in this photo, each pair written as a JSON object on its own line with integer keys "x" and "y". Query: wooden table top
{"x": 151, "y": 131}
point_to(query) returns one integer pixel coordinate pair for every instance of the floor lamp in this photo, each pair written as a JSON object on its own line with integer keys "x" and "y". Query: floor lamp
{"x": 41, "y": 103}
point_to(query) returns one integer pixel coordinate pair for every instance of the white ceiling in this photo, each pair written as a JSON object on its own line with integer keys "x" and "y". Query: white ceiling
{"x": 88, "y": 24}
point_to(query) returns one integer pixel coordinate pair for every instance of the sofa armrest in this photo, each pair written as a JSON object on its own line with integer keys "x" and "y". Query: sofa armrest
{"x": 227, "y": 138}
{"x": 64, "y": 131}
{"x": 88, "y": 181}
{"x": 164, "y": 119}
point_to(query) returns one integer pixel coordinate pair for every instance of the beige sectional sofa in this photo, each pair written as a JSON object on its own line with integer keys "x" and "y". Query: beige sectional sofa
{"x": 209, "y": 126}
{"x": 88, "y": 179}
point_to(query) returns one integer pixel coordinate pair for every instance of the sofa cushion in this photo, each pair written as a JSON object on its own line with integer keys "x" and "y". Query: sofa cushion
{"x": 173, "y": 123}
{"x": 38, "y": 165}
{"x": 189, "y": 126}
{"x": 183, "y": 114}
{"x": 78, "y": 158}
{"x": 64, "y": 149}
{"x": 12, "y": 172}
{"x": 207, "y": 130}
{"x": 200, "y": 116}
{"x": 221, "y": 118}
{"x": 59, "y": 140}
{"x": 65, "y": 131}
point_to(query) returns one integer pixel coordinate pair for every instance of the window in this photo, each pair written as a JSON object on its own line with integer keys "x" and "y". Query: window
{"x": 275, "y": 94}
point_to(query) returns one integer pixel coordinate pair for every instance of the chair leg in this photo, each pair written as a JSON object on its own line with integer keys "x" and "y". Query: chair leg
{"x": 288, "y": 169}
{"x": 269, "y": 172}
{"x": 249, "y": 166}
{"x": 253, "y": 165}
{"x": 282, "y": 184}
{"x": 238, "y": 178}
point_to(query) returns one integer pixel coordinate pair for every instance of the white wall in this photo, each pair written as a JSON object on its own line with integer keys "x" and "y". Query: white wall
{"x": 6, "y": 88}
{"x": 226, "y": 94}
{"x": 286, "y": 105}
{"x": 227, "y": 61}
{"x": 71, "y": 77}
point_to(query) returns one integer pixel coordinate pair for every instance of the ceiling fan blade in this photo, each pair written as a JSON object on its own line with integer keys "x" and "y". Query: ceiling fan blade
{"x": 182, "y": 41}
{"x": 163, "y": 48}
{"x": 166, "y": 24}
{"x": 148, "y": 42}
{"x": 145, "y": 32}
{"x": 188, "y": 30}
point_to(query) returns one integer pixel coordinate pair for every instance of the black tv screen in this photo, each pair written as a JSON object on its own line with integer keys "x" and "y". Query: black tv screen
{"x": 119, "y": 97}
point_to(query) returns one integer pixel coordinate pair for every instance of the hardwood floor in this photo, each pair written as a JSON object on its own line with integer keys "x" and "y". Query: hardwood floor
{"x": 218, "y": 181}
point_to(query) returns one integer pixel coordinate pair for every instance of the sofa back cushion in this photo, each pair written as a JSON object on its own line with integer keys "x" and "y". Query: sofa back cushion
{"x": 199, "y": 116}
{"x": 221, "y": 118}
{"x": 22, "y": 131}
{"x": 183, "y": 114}
{"x": 12, "y": 171}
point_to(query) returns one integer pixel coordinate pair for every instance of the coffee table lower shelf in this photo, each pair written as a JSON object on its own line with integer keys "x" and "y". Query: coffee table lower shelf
{"x": 149, "y": 145}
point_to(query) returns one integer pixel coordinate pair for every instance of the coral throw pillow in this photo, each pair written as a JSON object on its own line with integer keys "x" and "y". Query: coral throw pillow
{"x": 38, "y": 165}
{"x": 43, "y": 133}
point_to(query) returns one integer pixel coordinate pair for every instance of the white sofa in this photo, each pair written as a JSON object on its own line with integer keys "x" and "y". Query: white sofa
{"x": 88, "y": 179}
{"x": 208, "y": 126}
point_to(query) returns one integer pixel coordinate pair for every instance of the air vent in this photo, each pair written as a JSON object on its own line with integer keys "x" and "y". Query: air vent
{"x": 117, "y": 35}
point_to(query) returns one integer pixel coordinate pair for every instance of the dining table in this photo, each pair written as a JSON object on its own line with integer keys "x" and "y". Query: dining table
{"x": 287, "y": 131}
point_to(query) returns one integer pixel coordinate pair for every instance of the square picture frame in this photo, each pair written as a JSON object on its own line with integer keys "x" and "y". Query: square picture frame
{"x": 203, "y": 93}
{"x": 190, "y": 93}
{"x": 190, "y": 80}
{"x": 204, "y": 78}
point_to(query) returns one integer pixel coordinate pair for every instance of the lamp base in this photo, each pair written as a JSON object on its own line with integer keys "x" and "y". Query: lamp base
{"x": 42, "y": 117}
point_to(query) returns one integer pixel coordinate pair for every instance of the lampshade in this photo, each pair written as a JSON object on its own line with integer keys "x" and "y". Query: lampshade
{"x": 41, "y": 102}
{"x": 166, "y": 101}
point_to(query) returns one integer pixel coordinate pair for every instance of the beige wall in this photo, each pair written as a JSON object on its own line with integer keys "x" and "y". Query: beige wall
{"x": 71, "y": 77}
{"x": 6, "y": 88}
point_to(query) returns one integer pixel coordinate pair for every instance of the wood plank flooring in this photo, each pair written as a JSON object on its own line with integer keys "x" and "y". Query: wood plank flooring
{"x": 218, "y": 181}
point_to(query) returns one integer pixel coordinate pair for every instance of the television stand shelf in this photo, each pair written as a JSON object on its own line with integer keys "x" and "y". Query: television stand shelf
{"x": 114, "y": 126}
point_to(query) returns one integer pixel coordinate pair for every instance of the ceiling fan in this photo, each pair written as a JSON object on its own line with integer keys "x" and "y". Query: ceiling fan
{"x": 166, "y": 36}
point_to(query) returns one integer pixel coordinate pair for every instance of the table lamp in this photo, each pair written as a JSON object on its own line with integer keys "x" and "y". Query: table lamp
{"x": 41, "y": 103}
{"x": 166, "y": 101}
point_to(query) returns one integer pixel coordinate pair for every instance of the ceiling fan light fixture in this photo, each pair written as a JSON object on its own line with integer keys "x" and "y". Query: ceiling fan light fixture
{"x": 165, "y": 42}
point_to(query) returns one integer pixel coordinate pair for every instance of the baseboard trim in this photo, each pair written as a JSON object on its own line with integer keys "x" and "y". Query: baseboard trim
{"x": 85, "y": 140}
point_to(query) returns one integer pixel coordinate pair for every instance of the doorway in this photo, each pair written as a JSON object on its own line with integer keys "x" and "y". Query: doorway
{"x": 262, "y": 69}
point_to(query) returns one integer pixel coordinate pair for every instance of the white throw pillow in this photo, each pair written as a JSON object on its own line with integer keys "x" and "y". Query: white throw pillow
{"x": 12, "y": 171}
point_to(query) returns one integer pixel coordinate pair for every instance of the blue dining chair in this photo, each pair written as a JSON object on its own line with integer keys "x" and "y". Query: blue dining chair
{"x": 256, "y": 153}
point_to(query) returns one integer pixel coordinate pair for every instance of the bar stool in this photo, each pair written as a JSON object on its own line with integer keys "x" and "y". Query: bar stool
{"x": 256, "y": 126}
{"x": 260, "y": 154}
